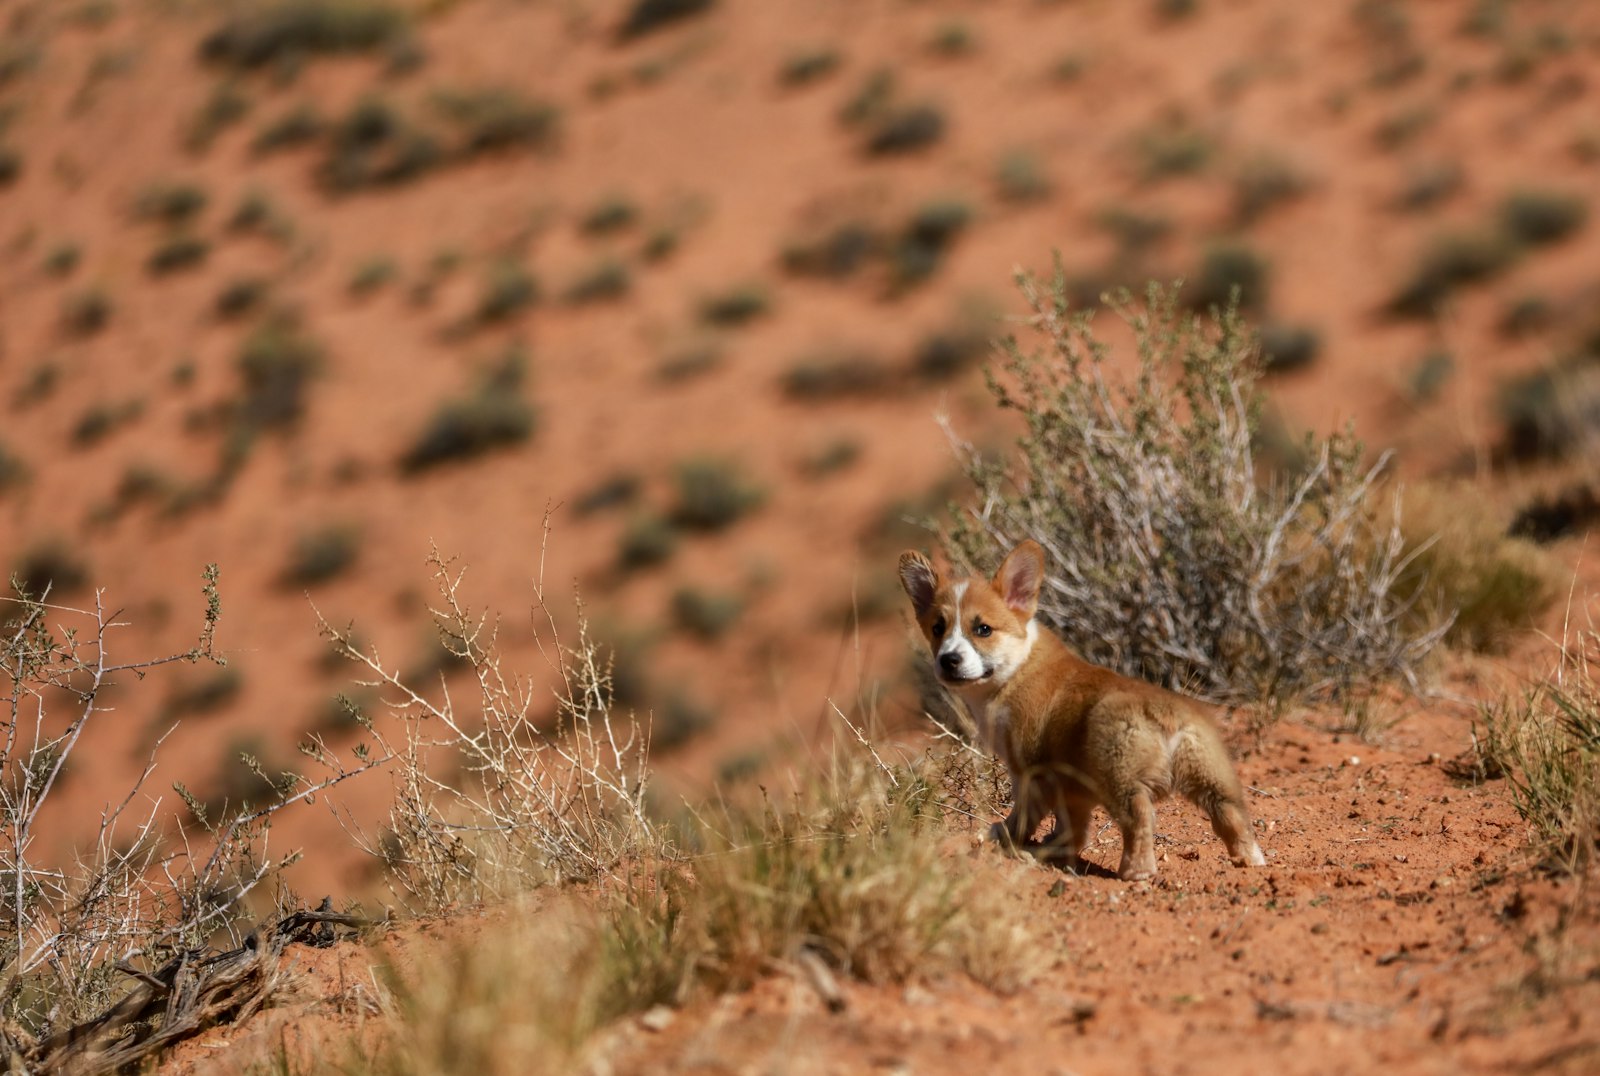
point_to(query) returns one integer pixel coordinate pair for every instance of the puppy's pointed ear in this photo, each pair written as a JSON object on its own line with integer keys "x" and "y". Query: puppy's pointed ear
{"x": 919, "y": 579}
{"x": 1019, "y": 578}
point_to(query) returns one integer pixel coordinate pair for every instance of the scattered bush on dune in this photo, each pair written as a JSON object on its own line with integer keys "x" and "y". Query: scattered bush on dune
{"x": 1170, "y": 560}
{"x": 712, "y": 494}
{"x": 648, "y": 16}
{"x": 279, "y": 30}
{"x": 496, "y": 415}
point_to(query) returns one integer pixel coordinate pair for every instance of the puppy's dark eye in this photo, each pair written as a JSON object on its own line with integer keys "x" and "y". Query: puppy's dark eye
{"x": 938, "y": 627}
{"x": 982, "y": 630}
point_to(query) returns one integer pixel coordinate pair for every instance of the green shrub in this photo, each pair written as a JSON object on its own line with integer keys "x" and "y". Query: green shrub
{"x": 1573, "y": 510}
{"x": 646, "y": 541}
{"x": 86, "y": 312}
{"x": 1552, "y": 412}
{"x": 834, "y": 456}
{"x": 283, "y": 30}
{"x": 494, "y": 119}
{"x": 63, "y": 259}
{"x": 834, "y": 253}
{"x": 705, "y": 614}
{"x": 611, "y": 214}
{"x": 648, "y": 16}
{"x": 1285, "y": 348}
{"x": 203, "y": 694}
{"x": 508, "y": 290}
{"x": 611, "y": 492}
{"x": 1173, "y": 148}
{"x": 100, "y": 420}
{"x": 50, "y": 563}
{"x": 1524, "y": 315}
{"x": 495, "y": 416}
{"x": 712, "y": 495}
{"x": 736, "y": 306}
{"x": 371, "y": 275}
{"x": 10, "y": 165}
{"x": 373, "y": 145}
{"x": 689, "y": 363}
{"x": 299, "y": 126}
{"x": 1170, "y": 561}
{"x": 676, "y": 720}
{"x": 904, "y": 129}
{"x": 170, "y": 203}
{"x": 945, "y": 353}
{"x": 224, "y": 107}
{"x": 1135, "y": 232}
{"x": 920, "y": 246}
{"x": 606, "y": 280}
{"x": 1538, "y": 217}
{"x": 177, "y": 253}
{"x": 1429, "y": 185}
{"x": 834, "y": 375}
{"x": 13, "y": 469}
{"x": 952, "y": 39}
{"x": 1430, "y": 374}
{"x": 276, "y": 364}
{"x": 240, "y": 297}
{"x": 1229, "y": 272}
{"x": 322, "y": 554}
{"x": 1451, "y": 261}
{"x": 1263, "y": 183}
{"x": 808, "y": 66}
{"x": 1020, "y": 178}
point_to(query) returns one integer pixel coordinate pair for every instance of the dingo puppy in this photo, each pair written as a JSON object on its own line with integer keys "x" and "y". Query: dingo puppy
{"x": 1071, "y": 734}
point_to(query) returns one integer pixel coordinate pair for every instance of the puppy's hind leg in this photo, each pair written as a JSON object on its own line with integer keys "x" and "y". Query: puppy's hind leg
{"x": 1134, "y": 811}
{"x": 1207, "y": 778}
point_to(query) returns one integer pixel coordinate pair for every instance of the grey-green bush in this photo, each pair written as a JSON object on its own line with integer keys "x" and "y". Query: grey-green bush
{"x": 1169, "y": 558}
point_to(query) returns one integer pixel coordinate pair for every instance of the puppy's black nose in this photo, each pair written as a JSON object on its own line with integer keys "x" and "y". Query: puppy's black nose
{"x": 950, "y": 662}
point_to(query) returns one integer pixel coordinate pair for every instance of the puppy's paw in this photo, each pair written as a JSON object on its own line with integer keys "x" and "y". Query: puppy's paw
{"x": 1251, "y": 857}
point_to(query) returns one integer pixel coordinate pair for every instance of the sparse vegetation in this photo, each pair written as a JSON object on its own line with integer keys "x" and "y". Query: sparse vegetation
{"x": 171, "y": 203}
{"x": 606, "y": 280}
{"x": 611, "y": 214}
{"x": 1538, "y": 217}
{"x": 706, "y": 614}
{"x": 1263, "y": 183}
{"x": 833, "y": 253}
{"x": 1170, "y": 149}
{"x": 920, "y": 246}
{"x": 689, "y": 362}
{"x": 1553, "y": 412}
{"x": 1169, "y": 560}
{"x": 1229, "y": 272}
{"x": 712, "y": 495}
{"x": 86, "y": 312}
{"x": 1285, "y": 348}
{"x": 1450, "y": 262}
{"x": 299, "y": 126}
{"x": 373, "y": 145}
{"x": 240, "y": 297}
{"x": 508, "y": 290}
{"x": 904, "y": 129}
{"x": 648, "y": 16}
{"x": 836, "y": 374}
{"x": 321, "y": 554}
{"x": 738, "y": 305}
{"x": 1547, "y": 747}
{"x": 1020, "y": 178}
{"x": 372, "y": 275}
{"x": 276, "y": 364}
{"x": 646, "y": 541}
{"x": 225, "y": 106}
{"x": 176, "y": 253}
{"x": 496, "y": 415}
{"x": 285, "y": 31}
{"x": 63, "y": 259}
{"x": 495, "y": 119}
{"x": 50, "y": 565}
{"x": 808, "y": 66}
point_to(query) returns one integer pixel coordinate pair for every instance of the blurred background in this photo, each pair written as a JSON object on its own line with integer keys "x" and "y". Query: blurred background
{"x": 305, "y": 288}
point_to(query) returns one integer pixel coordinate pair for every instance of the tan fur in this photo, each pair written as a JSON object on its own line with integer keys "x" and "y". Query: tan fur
{"x": 1071, "y": 734}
